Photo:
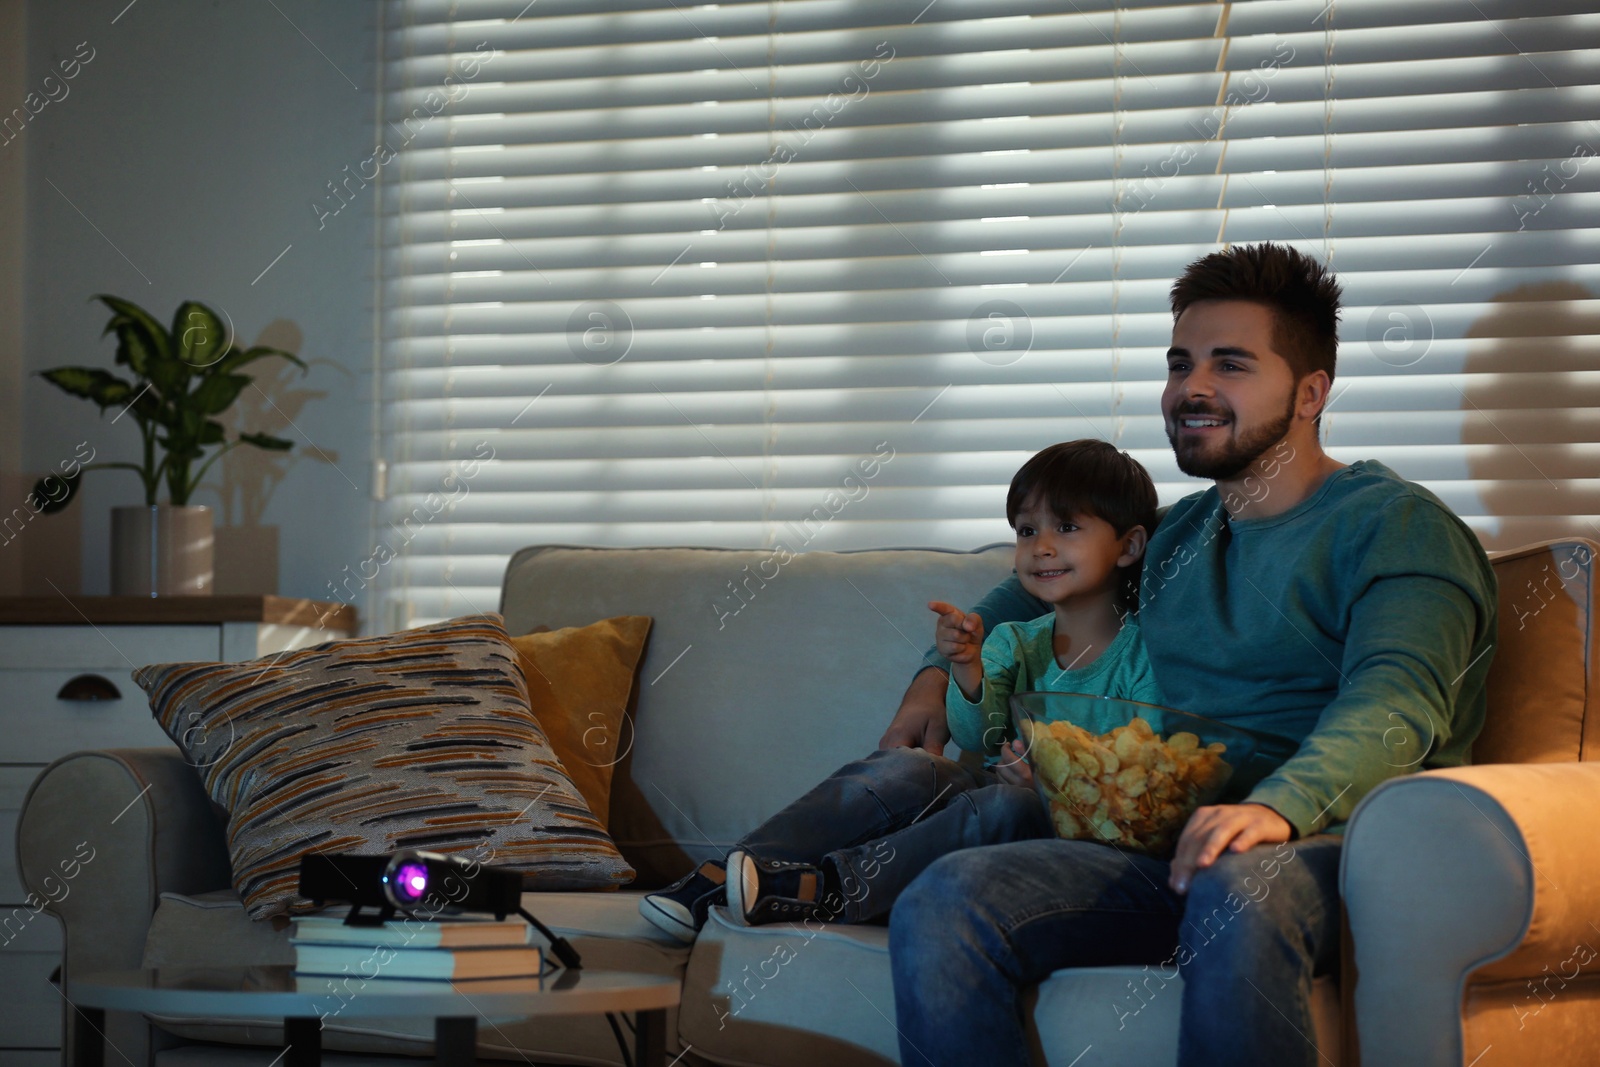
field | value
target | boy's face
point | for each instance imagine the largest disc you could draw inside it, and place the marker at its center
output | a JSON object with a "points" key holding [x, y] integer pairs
{"points": [[1058, 558], [1229, 396]]}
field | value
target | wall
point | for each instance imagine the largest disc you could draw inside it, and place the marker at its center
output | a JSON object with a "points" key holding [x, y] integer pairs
{"points": [[180, 162], [13, 72]]}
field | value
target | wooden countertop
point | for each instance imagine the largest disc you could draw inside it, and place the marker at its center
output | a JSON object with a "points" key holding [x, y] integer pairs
{"points": [[280, 610]]}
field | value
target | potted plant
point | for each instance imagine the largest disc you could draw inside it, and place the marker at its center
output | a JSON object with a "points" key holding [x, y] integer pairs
{"points": [[181, 377]]}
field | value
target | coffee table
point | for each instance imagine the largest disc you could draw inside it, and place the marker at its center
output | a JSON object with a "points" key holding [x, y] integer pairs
{"points": [[303, 1001]]}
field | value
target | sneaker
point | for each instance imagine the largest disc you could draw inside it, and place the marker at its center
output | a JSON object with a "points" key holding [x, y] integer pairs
{"points": [[772, 891], [680, 909]]}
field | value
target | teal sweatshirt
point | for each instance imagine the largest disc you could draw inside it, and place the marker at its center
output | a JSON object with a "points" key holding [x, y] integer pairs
{"points": [[1358, 624], [1019, 657]]}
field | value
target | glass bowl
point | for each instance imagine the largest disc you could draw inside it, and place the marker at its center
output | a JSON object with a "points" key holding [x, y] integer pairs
{"points": [[1129, 774]]}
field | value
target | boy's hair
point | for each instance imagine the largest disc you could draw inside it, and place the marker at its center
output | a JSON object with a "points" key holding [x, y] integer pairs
{"points": [[1089, 477], [1301, 293]]}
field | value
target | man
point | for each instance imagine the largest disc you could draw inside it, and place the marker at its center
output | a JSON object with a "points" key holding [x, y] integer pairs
{"points": [[1336, 605]]}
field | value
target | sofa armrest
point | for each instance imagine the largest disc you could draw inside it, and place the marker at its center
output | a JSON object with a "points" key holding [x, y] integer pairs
{"points": [[101, 836], [1467, 876]]}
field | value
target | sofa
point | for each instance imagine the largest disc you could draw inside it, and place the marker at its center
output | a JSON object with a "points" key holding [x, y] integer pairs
{"points": [[1471, 895]]}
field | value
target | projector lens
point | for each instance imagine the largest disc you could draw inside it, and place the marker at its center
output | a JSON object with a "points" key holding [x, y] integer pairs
{"points": [[409, 883]]}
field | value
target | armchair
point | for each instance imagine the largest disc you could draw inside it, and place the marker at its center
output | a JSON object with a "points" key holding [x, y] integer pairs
{"points": [[1500, 966]]}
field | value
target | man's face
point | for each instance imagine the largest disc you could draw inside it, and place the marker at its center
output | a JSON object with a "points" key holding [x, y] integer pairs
{"points": [[1229, 395]]}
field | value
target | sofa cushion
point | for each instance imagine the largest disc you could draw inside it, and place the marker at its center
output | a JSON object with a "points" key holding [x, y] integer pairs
{"points": [[766, 671], [213, 929], [1542, 707], [580, 679], [796, 994], [419, 739], [790, 993]]}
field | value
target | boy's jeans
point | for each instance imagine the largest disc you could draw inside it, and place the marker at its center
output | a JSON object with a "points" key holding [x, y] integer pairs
{"points": [[1254, 929], [880, 821]]}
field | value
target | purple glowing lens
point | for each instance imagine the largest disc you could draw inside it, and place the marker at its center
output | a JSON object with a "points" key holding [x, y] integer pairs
{"points": [[410, 882]]}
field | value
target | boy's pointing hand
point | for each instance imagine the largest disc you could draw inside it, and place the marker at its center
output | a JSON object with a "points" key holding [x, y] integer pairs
{"points": [[958, 635]]}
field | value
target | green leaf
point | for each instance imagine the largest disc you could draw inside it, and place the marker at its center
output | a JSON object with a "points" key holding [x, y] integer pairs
{"points": [[55, 491], [90, 383], [216, 393], [147, 405], [210, 433], [170, 377], [135, 349], [271, 444], [126, 311], [200, 336], [182, 434], [237, 357]]}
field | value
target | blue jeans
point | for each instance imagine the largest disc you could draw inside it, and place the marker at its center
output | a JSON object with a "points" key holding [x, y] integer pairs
{"points": [[875, 824], [979, 926]]}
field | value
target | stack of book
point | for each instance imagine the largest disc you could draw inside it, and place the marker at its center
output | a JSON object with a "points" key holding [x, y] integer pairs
{"points": [[412, 948]]}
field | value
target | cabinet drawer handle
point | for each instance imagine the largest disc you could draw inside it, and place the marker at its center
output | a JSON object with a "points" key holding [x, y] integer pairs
{"points": [[89, 687]]}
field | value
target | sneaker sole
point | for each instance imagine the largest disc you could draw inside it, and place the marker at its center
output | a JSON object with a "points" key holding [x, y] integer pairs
{"points": [[735, 885], [667, 920]]}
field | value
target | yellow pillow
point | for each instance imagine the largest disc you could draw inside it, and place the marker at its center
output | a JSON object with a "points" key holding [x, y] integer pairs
{"points": [[579, 682]]}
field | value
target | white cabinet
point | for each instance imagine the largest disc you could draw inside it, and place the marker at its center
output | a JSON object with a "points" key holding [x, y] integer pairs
{"points": [[66, 685]]}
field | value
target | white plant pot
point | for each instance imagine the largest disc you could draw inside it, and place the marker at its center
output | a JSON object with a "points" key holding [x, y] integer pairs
{"points": [[161, 550]]}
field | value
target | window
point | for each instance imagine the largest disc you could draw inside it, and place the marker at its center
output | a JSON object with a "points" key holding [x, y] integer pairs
{"points": [[826, 273]]}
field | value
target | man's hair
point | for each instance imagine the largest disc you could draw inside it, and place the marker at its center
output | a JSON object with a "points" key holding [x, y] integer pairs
{"points": [[1301, 293]]}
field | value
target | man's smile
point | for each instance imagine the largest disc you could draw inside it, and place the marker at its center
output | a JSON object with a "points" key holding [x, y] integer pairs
{"points": [[1189, 430], [1199, 422]]}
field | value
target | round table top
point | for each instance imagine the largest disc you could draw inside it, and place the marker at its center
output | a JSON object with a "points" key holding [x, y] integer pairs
{"points": [[276, 992]]}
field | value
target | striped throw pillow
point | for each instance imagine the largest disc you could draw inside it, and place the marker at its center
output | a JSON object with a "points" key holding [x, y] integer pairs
{"points": [[417, 739]]}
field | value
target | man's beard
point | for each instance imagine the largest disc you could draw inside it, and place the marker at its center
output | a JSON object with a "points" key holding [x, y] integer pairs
{"points": [[1235, 455]]}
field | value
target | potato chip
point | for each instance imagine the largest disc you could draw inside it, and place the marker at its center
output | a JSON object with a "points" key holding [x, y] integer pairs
{"points": [[1109, 763], [1052, 765], [1067, 824], [1127, 744]]}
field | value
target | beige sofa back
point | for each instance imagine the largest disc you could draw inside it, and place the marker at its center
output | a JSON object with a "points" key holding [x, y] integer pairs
{"points": [[1542, 706], [762, 674]]}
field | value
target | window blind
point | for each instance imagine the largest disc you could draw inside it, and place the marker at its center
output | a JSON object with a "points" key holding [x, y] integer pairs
{"points": [[824, 273]]}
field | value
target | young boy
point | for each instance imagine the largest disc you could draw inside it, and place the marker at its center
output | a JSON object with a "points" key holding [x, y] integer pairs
{"points": [[1077, 550], [1082, 511]]}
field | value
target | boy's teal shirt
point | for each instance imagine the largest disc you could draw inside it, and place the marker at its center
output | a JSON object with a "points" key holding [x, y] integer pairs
{"points": [[1019, 657], [1359, 624]]}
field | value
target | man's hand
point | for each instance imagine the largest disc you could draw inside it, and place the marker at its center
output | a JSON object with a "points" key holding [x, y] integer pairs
{"points": [[1234, 827], [920, 721], [1013, 767]]}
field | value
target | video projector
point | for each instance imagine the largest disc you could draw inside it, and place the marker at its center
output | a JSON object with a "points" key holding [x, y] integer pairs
{"points": [[427, 882]]}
